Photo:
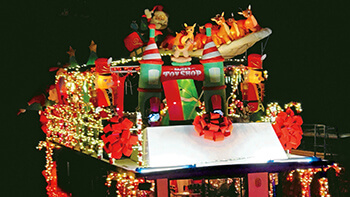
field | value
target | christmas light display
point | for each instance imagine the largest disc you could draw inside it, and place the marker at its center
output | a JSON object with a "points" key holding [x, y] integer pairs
{"points": [[86, 113], [50, 173], [306, 176], [127, 185]]}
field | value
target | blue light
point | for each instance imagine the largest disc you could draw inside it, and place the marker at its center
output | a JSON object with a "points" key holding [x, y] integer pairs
{"points": [[218, 111], [159, 169], [299, 160], [153, 117]]}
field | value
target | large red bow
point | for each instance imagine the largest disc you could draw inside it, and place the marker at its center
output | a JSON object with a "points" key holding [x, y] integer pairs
{"points": [[214, 126], [288, 129], [117, 137]]}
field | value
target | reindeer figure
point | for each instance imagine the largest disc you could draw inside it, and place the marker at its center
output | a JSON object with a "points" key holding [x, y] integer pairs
{"points": [[183, 43], [223, 35], [179, 41], [184, 36], [200, 39], [237, 29], [250, 23]]}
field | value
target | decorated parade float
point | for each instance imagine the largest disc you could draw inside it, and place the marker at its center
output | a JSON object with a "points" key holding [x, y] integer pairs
{"points": [[199, 125]]}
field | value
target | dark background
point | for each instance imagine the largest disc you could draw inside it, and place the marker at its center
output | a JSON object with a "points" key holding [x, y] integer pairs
{"points": [[307, 61]]}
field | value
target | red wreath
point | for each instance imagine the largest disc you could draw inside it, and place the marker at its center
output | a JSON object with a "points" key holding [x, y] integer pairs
{"points": [[213, 126], [288, 129], [117, 137]]}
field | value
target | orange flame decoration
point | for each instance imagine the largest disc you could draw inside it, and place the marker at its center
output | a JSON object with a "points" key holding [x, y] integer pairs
{"points": [[213, 126], [288, 129]]}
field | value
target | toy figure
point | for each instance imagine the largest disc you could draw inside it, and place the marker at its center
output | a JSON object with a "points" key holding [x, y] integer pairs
{"points": [[107, 85], [237, 30], [250, 23], [157, 16], [183, 42], [136, 40], [223, 34], [252, 89], [200, 38]]}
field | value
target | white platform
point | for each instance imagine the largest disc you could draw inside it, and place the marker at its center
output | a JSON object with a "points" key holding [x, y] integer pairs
{"points": [[181, 145]]}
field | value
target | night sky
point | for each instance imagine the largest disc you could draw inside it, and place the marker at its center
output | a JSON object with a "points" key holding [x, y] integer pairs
{"points": [[307, 60]]}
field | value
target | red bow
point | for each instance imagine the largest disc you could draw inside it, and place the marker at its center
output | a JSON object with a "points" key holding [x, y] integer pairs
{"points": [[288, 129], [117, 137], [214, 126]]}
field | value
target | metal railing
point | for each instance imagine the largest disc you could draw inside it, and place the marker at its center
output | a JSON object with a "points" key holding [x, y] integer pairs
{"points": [[320, 134]]}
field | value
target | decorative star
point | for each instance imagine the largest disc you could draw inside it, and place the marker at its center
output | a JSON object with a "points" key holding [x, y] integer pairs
{"points": [[71, 52], [93, 46]]}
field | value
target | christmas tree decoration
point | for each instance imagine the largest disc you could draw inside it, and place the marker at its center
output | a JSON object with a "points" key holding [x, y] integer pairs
{"points": [[72, 60], [93, 54]]}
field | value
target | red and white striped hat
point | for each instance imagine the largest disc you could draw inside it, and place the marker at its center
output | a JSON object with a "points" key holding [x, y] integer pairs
{"points": [[210, 51], [151, 54]]}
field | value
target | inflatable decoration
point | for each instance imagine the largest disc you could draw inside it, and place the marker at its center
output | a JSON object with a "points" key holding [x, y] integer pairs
{"points": [[250, 24], [236, 27], [157, 17], [183, 42], [109, 87], [214, 83], [136, 40], [252, 89], [221, 35], [233, 37], [150, 71]]}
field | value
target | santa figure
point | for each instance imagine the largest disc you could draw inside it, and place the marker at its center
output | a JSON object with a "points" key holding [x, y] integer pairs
{"points": [[252, 89]]}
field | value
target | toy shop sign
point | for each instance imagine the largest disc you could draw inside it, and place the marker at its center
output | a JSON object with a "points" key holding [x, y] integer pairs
{"points": [[195, 72]]}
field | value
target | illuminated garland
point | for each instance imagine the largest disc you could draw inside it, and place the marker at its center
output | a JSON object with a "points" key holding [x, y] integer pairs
{"points": [[296, 105], [49, 161], [125, 60], [75, 124], [272, 111], [273, 181], [127, 185], [140, 139], [50, 171], [306, 176], [235, 77]]}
